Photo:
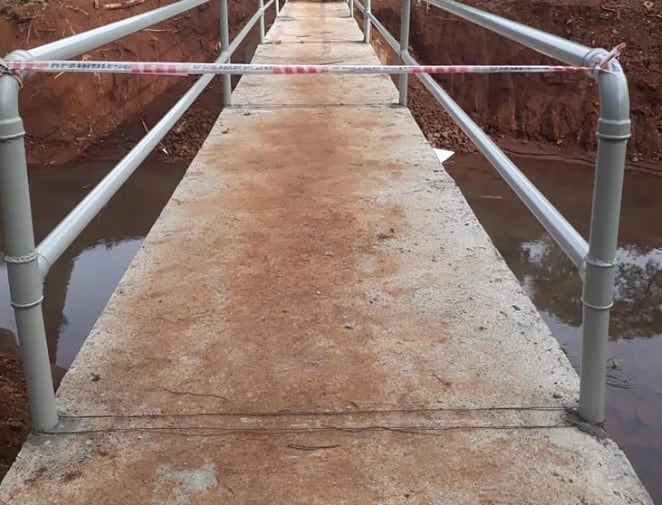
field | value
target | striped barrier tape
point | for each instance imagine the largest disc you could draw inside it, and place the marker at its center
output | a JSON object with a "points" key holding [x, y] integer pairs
{"points": [[183, 69]]}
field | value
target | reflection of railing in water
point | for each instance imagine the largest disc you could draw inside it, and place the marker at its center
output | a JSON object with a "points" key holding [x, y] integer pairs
{"points": [[596, 260], [637, 311]]}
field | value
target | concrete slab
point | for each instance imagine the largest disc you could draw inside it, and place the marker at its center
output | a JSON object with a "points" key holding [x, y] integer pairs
{"points": [[328, 25], [318, 317], [304, 90]]}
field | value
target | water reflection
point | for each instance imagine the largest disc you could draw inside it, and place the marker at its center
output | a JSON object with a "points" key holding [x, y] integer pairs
{"points": [[81, 282], [634, 398], [91, 286], [551, 281]]}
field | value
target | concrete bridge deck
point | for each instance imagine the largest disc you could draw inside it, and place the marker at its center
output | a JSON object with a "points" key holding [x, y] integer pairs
{"points": [[318, 317]]}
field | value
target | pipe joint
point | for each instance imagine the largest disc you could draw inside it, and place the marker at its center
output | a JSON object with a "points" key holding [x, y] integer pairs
{"points": [[21, 260], [598, 293], [29, 305], [11, 129], [613, 129], [595, 263]]}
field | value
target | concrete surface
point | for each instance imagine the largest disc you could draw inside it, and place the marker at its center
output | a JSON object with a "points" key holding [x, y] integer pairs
{"points": [[318, 317]]}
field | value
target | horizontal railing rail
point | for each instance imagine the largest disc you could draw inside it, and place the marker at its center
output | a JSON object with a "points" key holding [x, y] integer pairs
{"points": [[595, 260], [62, 236], [27, 265]]}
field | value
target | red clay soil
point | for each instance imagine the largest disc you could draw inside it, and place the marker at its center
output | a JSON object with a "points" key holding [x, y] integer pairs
{"points": [[539, 114], [67, 114], [14, 418], [101, 115]]}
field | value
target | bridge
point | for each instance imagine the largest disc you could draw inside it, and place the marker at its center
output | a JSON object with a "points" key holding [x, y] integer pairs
{"points": [[317, 316]]}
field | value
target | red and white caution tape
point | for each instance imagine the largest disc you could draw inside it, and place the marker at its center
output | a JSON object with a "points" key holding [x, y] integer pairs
{"points": [[602, 63], [182, 69], [160, 68]]}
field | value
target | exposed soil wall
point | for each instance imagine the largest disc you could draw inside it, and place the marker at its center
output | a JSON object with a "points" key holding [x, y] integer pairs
{"points": [[559, 110], [67, 114]]}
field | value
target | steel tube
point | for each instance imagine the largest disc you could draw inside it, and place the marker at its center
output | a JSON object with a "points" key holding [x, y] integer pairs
{"points": [[261, 11], [225, 46], [69, 47], [545, 43], [58, 240], [390, 39], [366, 21], [351, 8], [234, 45], [572, 243], [404, 48], [25, 284], [600, 269]]}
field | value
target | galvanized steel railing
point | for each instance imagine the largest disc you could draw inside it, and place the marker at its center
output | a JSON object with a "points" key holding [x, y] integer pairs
{"points": [[596, 260], [27, 265]]}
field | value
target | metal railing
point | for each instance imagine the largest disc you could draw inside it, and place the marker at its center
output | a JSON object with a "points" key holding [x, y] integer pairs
{"points": [[27, 265], [596, 260]]}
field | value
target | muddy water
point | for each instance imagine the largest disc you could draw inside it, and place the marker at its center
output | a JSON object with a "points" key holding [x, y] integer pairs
{"points": [[81, 282], [634, 401]]}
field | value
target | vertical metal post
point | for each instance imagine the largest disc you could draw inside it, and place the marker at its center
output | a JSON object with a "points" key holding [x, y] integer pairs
{"points": [[367, 25], [225, 46], [277, 2], [600, 266], [261, 6], [22, 263], [404, 48], [351, 8]]}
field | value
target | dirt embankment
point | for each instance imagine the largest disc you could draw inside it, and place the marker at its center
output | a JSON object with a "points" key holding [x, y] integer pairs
{"points": [[539, 113], [102, 115], [66, 115]]}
